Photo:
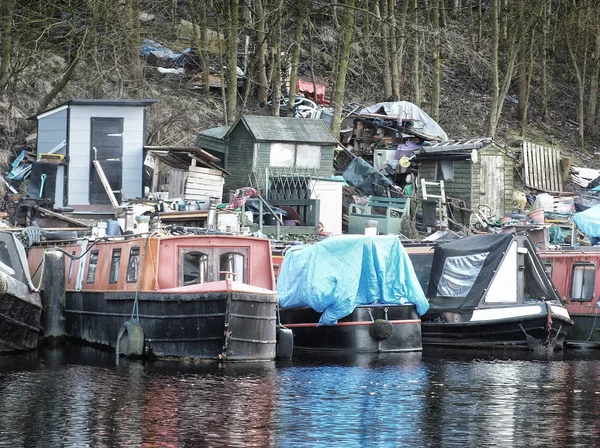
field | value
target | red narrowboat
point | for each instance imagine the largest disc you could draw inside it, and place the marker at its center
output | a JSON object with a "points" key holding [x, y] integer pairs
{"points": [[196, 296], [574, 271]]}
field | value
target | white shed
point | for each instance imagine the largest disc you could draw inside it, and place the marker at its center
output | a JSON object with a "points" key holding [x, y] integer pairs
{"points": [[83, 130]]}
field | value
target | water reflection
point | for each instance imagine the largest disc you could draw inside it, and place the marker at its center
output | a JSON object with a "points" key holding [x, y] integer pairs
{"points": [[78, 397]]}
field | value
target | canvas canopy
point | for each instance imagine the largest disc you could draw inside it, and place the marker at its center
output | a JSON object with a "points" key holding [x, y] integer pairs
{"points": [[465, 271], [338, 274]]}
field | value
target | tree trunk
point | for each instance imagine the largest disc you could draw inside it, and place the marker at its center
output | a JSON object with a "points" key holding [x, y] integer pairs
{"points": [[435, 91], [522, 64], [261, 53], [544, 45], [302, 13], [134, 63], [392, 36], [594, 82], [7, 8], [277, 60], [381, 12], [340, 85], [495, 69], [579, 76], [415, 66], [231, 72], [402, 42]]}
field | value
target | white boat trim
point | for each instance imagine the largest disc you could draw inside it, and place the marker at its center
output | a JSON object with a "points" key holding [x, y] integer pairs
{"points": [[560, 310], [506, 312]]}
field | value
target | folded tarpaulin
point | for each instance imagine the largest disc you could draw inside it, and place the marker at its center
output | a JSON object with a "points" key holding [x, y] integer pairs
{"points": [[589, 221], [338, 274], [308, 90]]}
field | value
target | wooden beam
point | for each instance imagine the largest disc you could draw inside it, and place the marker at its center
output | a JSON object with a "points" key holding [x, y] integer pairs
{"points": [[62, 217], [106, 185]]}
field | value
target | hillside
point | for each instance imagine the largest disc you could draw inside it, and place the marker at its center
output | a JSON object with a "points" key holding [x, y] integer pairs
{"points": [[184, 108]]}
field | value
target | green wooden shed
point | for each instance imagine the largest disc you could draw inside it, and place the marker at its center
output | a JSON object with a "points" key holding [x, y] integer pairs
{"points": [[479, 173], [261, 150]]}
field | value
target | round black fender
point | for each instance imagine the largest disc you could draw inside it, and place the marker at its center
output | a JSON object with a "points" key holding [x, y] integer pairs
{"points": [[381, 330]]}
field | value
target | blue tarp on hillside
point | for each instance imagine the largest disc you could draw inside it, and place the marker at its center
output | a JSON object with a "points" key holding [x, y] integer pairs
{"points": [[340, 273], [589, 221]]}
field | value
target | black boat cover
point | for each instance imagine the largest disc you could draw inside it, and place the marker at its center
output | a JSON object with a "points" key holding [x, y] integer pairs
{"points": [[462, 271]]}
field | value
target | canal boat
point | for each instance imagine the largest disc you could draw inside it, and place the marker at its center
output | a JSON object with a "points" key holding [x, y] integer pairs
{"points": [[197, 296], [489, 291], [20, 303], [351, 293], [574, 273]]}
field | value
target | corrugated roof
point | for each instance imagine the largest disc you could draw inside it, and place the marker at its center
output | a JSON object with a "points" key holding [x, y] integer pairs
{"points": [[288, 129], [94, 102], [219, 132]]}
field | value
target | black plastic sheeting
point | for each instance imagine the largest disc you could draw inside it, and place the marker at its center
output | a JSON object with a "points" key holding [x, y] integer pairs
{"points": [[482, 252], [367, 179]]}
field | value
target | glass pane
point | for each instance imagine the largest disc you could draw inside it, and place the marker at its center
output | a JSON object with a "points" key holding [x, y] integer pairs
{"points": [[115, 265], [232, 266], [282, 154], [582, 282], [308, 156], [133, 265], [444, 170], [91, 277], [195, 268], [459, 274]]}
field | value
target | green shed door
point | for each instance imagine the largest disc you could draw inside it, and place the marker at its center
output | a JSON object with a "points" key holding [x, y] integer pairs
{"points": [[492, 183]]}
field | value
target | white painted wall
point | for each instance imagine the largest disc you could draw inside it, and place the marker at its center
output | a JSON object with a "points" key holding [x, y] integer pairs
{"points": [[79, 149], [329, 192]]}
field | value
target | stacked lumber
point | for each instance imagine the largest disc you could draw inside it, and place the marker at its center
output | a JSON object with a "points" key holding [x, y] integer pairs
{"points": [[203, 183]]}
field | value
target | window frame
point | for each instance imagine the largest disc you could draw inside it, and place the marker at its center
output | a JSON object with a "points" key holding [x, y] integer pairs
{"points": [[439, 172], [296, 146], [582, 264], [242, 253], [129, 261], [93, 253], [114, 274], [183, 252]]}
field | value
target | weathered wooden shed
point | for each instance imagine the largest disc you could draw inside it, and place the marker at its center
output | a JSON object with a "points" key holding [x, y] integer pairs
{"points": [[83, 130], [213, 141], [477, 172], [260, 148]]}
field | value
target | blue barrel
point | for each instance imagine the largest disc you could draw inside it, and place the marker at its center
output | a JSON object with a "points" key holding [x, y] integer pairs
{"points": [[113, 228]]}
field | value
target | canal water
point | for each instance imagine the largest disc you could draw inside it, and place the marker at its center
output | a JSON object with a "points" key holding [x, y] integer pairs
{"points": [[78, 397]]}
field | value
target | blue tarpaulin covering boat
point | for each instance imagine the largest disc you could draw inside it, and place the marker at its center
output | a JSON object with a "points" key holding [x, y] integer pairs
{"points": [[340, 273]]}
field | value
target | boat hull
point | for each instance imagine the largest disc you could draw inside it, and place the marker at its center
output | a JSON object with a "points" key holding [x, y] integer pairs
{"points": [[354, 333], [228, 325], [19, 323], [528, 331], [586, 330]]}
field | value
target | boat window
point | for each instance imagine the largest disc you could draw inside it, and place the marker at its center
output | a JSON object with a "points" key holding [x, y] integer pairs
{"points": [[582, 282], [133, 265], [195, 268], [115, 265], [71, 268], [93, 263], [459, 274], [232, 266], [5, 254]]}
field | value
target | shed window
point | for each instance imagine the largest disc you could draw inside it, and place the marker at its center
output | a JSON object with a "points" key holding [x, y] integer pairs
{"points": [[292, 155], [93, 263], [232, 266], [582, 282], [444, 170], [115, 265], [133, 265], [195, 268]]}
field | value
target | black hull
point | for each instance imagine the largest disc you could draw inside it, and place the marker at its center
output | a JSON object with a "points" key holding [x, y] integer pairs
{"points": [[526, 333], [352, 333], [19, 323], [586, 331], [233, 326]]}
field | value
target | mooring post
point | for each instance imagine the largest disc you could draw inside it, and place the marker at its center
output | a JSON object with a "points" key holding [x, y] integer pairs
{"points": [[53, 296]]}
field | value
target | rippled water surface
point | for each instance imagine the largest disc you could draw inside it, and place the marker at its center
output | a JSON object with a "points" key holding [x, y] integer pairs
{"points": [[79, 397]]}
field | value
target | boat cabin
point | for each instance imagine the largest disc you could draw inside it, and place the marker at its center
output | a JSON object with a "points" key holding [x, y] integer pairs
{"points": [[480, 272], [163, 263], [574, 273]]}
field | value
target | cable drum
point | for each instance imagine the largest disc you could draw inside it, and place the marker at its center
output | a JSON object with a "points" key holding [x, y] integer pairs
{"points": [[381, 329]]}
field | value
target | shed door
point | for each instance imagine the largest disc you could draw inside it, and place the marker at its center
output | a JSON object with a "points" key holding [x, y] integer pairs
{"points": [[492, 183], [106, 147]]}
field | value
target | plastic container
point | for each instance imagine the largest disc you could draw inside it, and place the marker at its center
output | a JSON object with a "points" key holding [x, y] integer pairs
{"points": [[143, 224], [371, 228], [113, 228], [537, 216], [101, 229]]}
